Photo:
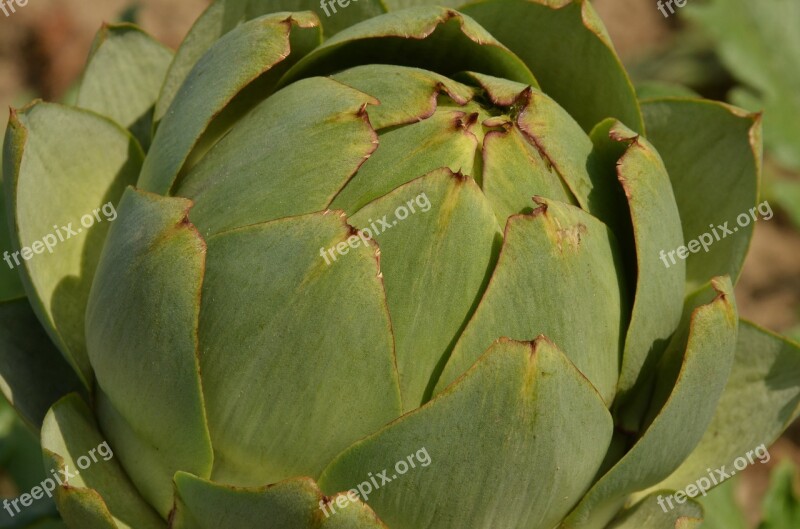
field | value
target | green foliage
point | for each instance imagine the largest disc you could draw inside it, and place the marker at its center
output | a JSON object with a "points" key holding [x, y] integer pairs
{"points": [[759, 44]]}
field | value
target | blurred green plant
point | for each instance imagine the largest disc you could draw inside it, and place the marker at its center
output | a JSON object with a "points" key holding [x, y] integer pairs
{"points": [[747, 53], [780, 508], [759, 44], [720, 508], [684, 65]]}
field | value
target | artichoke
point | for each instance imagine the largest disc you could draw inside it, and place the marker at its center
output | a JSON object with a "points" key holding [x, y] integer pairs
{"points": [[330, 266]]}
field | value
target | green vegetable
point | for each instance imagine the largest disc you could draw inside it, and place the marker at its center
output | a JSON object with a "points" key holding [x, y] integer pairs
{"points": [[382, 270]]}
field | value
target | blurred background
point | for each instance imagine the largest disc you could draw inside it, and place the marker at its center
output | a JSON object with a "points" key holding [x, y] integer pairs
{"points": [[738, 51]]}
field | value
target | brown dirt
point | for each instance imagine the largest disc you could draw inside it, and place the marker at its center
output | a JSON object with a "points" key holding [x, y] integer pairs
{"points": [[768, 292]]}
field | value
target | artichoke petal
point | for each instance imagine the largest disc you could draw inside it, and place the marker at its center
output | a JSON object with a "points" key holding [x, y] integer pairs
{"points": [[245, 62], [33, 374], [123, 76], [311, 332], [91, 488], [144, 351], [446, 139], [255, 175], [514, 171], [62, 165], [435, 265], [550, 258], [569, 151], [697, 362], [523, 419], [406, 95], [501, 92], [708, 146], [295, 503]]}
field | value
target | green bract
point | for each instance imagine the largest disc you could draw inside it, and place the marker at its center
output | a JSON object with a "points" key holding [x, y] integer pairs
{"points": [[344, 242]]}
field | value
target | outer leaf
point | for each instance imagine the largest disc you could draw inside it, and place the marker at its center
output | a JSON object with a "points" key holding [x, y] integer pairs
{"points": [[254, 174], [571, 55], [661, 89], [335, 18], [61, 166], [33, 374], [38, 516], [149, 338], [708, 146], [683, 419], [96, 495], [432, 38], [648, 514], [303, 392], [10, 281], [541, 423], [21, 468], [435, 265], [237, 60], [550, 258], [224, 15], [656, 225], [291, 504], [759, 43], [21, 462], [123, 76], [761, 399]]}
